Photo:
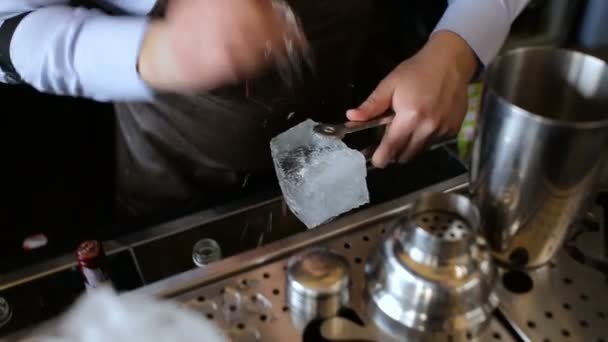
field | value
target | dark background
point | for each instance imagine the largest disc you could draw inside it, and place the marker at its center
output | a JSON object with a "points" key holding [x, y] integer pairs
{"points": [[56, 170]]}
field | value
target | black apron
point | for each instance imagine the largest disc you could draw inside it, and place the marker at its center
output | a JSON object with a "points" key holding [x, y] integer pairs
{"points": [[182, 150], [178, 150]]}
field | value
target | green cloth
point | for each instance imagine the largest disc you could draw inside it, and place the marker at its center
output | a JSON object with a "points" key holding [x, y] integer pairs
{"points": [[467, 130]]}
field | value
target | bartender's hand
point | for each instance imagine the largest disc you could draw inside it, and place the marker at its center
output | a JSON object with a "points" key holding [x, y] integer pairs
{"points": [[201, 44], [428, 93]]}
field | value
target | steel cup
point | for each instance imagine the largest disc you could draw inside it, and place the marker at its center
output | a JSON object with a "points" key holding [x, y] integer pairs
{"points": [[539, 149]]}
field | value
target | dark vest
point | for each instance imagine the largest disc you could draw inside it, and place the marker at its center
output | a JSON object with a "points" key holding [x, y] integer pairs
{"points": [[179, 148]]}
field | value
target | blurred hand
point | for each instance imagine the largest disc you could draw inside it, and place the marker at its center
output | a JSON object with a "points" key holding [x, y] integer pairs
{"points": [[201, 44], [428, 93]]}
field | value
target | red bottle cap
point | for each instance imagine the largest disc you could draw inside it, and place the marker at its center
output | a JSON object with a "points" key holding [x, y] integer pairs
{"points": [[90, 253]]}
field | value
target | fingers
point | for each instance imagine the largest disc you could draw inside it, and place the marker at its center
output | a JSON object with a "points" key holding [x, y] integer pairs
{"points": [[281, 40], [211, 43], [420, 137], [429, 128], [260, 39], [377, 103], [416, 124], [397, 135]]}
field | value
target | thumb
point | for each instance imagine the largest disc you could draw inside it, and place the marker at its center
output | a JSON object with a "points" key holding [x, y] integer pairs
{"points": [[377, 103]]}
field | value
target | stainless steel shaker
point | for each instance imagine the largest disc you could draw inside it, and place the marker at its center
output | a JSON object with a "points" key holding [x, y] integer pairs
{"points": [[539, 149], [433, 278]]}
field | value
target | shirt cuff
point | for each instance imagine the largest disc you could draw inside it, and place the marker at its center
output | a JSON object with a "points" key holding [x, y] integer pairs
{"points": [[107, 57], [484, 25], [80, 52]]}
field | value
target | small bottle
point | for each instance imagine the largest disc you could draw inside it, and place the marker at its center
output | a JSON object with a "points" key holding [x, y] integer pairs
{"points": [[206, 251], [92, 264]]}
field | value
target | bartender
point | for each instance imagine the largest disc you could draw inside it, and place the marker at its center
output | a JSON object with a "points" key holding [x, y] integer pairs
{"points": [[197, 99]]}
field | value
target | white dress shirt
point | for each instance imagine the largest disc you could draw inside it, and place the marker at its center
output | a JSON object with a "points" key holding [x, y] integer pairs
{"points": [[76, 51]]}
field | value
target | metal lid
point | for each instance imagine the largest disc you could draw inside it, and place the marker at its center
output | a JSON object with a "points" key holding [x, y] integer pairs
{"points": [[440, 227], [318, 271]]}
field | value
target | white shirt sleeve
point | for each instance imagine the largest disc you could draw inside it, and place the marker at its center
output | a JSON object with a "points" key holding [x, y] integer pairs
{"points": [[76, 51], [483, 24]]}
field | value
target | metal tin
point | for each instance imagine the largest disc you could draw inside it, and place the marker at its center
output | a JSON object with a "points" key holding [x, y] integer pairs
{"points": [[317, 283], [433, 275], [540, 145]]}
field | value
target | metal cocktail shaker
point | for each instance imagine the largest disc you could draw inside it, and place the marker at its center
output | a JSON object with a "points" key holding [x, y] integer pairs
{"points": [[539, 149]]}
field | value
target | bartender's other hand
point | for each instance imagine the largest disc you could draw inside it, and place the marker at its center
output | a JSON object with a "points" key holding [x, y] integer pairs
{"points": [[428, 93], [202, 44]]}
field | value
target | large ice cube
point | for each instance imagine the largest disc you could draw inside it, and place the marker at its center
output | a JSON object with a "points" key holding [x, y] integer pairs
{"points": [[320, 177]]}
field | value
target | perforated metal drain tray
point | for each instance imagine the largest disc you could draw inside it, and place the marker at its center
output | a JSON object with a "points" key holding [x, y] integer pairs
{"points": [[568, 301], [245, 294]]}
